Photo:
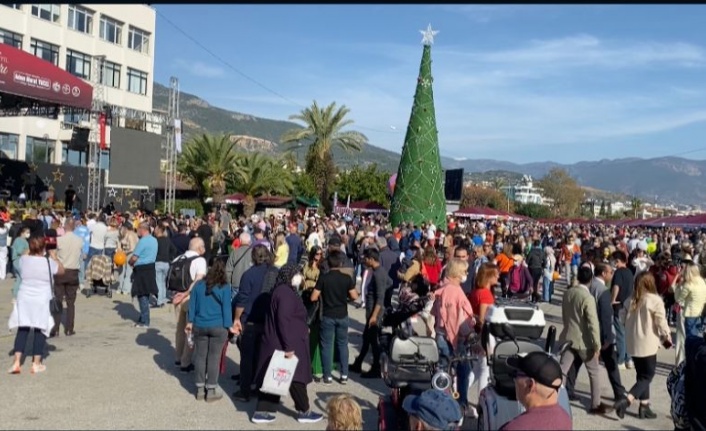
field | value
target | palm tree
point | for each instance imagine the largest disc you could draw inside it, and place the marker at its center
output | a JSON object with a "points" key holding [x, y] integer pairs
{"points": [[636, 205], [257, 174], [208, 162], [324, 130]]}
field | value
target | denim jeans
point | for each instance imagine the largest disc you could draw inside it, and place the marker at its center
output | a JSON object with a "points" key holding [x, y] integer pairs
{"points": [[161, 271], [463, 369], [330, 329], [693, 327], [144, 302], [82, 271], [93, 252], [620, 343], [18, 278], [547, 288], [208, 346], [125, 283]]}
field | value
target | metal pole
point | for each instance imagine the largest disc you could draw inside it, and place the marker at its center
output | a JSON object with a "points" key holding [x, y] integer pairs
{"points": [[171, 156], [93, 189]]}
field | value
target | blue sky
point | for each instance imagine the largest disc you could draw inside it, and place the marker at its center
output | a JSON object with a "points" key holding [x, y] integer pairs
{"points": [[521, 83]]}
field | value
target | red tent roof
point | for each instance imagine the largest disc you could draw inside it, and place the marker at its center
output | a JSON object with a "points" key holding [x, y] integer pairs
{"points": [[25, 75]]}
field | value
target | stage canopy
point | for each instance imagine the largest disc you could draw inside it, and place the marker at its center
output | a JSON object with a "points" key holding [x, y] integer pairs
{"points": [[25, 79]]}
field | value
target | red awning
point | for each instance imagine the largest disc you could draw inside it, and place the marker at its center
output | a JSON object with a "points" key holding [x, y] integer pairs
{"points": [[23, 74]]}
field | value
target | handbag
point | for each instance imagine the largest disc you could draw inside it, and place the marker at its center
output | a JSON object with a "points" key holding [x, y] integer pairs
{"points": [[56, 307]]}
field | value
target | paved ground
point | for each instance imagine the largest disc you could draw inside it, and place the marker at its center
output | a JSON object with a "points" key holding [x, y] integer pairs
{"points": [[113, 376]]}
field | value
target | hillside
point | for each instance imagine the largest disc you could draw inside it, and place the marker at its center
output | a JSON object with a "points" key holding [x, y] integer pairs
{"points": [[198, 116], [665, 179]]}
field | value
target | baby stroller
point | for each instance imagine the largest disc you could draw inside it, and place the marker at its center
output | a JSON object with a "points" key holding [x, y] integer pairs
{"points": [[99, 273], [511, 327], [408, 363]]}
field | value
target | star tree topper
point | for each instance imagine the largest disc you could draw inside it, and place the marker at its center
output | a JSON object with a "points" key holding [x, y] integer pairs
{"points": [[428, 35]]}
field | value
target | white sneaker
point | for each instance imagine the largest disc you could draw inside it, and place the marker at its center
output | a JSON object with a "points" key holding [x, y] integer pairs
{"points": [[630, 365], [622, 367]]}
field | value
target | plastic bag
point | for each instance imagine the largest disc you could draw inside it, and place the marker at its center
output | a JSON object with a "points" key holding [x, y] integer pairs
{"points": [[279, 374]]}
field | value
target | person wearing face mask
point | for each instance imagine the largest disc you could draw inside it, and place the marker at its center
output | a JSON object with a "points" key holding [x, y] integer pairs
{"points": [[20, 247], [285, 329]]}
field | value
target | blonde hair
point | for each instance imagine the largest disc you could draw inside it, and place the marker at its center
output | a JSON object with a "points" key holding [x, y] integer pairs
{"points": [[644, 283], [692, 274], [344, 414], [457, 268]]}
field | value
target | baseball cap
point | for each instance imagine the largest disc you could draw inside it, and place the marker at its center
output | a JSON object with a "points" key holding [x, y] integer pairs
{"points": [[436, 408], [539, 366]]}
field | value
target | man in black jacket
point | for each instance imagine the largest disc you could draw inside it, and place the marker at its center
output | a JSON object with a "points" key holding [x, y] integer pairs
{"points": [[374, 308]]}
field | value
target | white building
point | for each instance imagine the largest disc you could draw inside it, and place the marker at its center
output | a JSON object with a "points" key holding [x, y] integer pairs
{"points": [[70, 36], [525, 192]]}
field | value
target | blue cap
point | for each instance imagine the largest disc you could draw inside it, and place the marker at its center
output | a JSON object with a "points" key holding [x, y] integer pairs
{"points": [[436, 408]]}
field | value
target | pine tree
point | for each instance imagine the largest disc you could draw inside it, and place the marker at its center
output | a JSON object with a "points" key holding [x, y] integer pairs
{"points": [[419, 195]]}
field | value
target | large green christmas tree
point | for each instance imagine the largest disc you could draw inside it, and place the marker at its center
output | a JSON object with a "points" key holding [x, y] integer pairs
{"points": [[419, 194]]}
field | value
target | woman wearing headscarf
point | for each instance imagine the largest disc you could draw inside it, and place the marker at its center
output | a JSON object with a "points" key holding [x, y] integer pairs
{"points": [[286, 330]]}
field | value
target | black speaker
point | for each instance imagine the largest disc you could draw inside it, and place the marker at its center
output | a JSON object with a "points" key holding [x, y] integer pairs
{"points": [[453, 187], [79, 139]]}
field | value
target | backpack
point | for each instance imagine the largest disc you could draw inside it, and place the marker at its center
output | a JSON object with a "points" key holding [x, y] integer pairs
{"points": [[179, 277], [535, 258]]}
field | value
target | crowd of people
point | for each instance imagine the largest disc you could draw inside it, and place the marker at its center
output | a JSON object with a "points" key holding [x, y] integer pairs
{"points": [[285, 283]]}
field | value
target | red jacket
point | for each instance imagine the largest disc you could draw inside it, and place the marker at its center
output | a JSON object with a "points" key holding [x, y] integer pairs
{"points": [[664, 277]]}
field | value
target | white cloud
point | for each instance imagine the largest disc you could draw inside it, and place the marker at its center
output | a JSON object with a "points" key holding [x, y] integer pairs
{"points": [[200, 69]]}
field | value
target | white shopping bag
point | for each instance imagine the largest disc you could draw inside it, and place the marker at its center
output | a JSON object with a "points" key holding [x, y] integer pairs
{"points": [[280, 374]]}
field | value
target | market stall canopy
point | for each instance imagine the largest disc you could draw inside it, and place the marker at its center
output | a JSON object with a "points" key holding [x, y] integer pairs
{"points": [[25, 75], [478, 213], [360, 206]]}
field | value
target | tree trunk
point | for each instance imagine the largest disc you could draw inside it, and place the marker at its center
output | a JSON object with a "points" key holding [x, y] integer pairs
{"points": [[218, 189], [249, 206]]}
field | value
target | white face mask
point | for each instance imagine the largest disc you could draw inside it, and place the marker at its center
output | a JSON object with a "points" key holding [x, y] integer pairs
{"points": [[26, 235], [464, 279], [297, 281]]}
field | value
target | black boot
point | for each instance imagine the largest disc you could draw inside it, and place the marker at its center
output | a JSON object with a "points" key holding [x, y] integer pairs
{"points": [[620, 406], [356, 367], [646, 412]]}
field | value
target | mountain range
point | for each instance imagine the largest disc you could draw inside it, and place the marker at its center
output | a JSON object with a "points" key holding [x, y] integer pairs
{"points": [[667, 180]]}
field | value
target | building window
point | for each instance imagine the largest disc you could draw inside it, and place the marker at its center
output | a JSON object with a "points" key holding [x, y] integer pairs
{"points": [[8, 145], [110, 30], [44, 50], [73, 157], [11, 38], [138, 40], [39, 150], [78, 64], [110, 75], [49, 12], [17, 6], [80, 19], [136, 81]]}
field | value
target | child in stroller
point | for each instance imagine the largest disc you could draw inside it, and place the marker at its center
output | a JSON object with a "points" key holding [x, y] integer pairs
{"points": [[413, 299]]}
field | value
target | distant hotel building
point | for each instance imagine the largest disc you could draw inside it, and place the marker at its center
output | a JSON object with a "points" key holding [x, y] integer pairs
{"points": [[525, 192], [69, 36]]}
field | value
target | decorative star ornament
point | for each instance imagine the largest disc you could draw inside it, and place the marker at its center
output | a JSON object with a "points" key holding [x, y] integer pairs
{"points": [[147, 196], [134, 204], [428, 35], [10, 183], [112, 192], [71, 178], [58, 175], [33, 167], [80, 189], [127, 192], [47, 180]]}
